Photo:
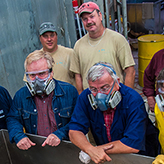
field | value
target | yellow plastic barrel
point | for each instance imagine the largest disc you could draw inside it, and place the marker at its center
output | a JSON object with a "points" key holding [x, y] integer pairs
{"points": [[148, 45]]}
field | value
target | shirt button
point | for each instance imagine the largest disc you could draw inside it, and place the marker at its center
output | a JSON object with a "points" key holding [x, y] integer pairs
{"points": [[43, 101], [35, 110], [59, 124], [34, 126]]}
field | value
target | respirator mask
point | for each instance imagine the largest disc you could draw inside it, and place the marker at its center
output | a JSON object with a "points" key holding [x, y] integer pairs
{"points": [[104, 101], [39, 85]]}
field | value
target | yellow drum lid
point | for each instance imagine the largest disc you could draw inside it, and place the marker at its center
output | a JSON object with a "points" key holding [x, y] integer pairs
{"points": [[151, 38]]}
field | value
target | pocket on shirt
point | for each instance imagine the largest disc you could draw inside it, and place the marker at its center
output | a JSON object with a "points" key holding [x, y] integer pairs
{"points": [[96, 127], [66, 112], [29, 120], [118, 134], [65, 115], [25, 115]]}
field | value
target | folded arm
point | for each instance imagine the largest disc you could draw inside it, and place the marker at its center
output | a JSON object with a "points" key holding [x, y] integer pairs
{"points": [[119, 148], [97, 154]]}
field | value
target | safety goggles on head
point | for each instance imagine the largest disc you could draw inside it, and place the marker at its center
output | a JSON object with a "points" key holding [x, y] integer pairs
{"points": [[42, 75]]}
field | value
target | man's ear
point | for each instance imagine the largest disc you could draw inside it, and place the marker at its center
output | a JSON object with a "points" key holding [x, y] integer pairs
{"points": [[40, 38], [52, 74], [118, 80], [117, 84], [100, 15]]}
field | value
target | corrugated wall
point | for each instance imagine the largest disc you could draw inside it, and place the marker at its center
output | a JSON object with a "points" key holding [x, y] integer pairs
{"points": [[19, 22]]}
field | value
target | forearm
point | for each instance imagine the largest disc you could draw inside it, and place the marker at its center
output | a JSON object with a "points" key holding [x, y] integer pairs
{"points": [[129, 77], [97, 154], [119, 148], [62, 133], [15, 129], [149, 85], [80, 140], [151, 102], [79, 83]]}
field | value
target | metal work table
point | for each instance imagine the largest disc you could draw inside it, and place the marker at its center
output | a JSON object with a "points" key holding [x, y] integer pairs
{"points": [[65, 153]]}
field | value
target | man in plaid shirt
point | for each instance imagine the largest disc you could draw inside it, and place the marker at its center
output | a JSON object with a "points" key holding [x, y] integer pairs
{"points": [[43, 107], [116, 116]]}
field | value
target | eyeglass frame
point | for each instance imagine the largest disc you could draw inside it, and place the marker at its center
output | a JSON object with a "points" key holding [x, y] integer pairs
{"points": [[36, 74], [101, 87]]}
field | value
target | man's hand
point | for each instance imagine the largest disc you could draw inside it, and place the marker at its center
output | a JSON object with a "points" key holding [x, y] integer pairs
{"points": [[98, 155], [151, 102], [25, 143], [51, 140]]}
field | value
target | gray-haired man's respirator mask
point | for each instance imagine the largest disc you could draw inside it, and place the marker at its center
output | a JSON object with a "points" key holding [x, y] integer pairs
{"points": [[104, 101], [40, 86]]}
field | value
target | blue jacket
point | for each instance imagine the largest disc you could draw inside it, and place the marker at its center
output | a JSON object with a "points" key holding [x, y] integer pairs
{"points": [[5, 104], [23, 112], [129, 125]]}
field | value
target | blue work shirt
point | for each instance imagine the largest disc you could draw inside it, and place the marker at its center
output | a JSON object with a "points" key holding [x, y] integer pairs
{"points": [[129, 125], [5, 104], [23, 111]]}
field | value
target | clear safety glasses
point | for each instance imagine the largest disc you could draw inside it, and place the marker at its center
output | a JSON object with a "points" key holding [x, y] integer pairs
{"points": [[42, 75]]}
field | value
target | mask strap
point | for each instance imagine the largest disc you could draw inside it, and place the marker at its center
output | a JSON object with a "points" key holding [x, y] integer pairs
{"points": [[92, 101], [30, 88], [110, 92], [107, 67]]}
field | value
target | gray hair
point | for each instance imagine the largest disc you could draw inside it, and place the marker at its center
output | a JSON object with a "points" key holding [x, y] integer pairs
{"points": [[37, 55], [99, 69]]}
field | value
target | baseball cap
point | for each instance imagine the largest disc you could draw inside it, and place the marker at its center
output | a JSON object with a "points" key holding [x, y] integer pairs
{"points": [[88, 7], [46, 26]]}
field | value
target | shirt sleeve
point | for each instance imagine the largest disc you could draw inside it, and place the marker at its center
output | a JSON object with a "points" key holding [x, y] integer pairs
{"points": [[124, 53], [136, 122], [80, 119], [75, 63], [150, 77]]}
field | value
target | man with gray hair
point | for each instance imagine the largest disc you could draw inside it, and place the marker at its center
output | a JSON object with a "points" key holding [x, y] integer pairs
{"points": [[116, 116], [43, 107]]}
